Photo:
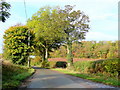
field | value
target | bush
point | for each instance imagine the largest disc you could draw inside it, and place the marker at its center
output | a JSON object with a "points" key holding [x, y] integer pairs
{"points": [[108, 67], [52, 64], [82, 66], [44, 64]]}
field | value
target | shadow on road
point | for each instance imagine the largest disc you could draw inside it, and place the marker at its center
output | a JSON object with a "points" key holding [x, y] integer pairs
{"points": [[35, 67]]}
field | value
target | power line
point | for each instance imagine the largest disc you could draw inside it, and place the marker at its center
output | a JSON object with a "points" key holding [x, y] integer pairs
{"points": [[25, 9], [28, 32]]}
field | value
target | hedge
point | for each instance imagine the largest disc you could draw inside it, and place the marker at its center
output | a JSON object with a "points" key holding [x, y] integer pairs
{"points": [[109, 67]]}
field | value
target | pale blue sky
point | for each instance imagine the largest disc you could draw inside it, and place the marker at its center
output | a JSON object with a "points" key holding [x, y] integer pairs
{"points": [[103, 15]]}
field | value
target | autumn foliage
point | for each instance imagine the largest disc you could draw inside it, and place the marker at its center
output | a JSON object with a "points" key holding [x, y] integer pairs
{"points": [[90, 49]]}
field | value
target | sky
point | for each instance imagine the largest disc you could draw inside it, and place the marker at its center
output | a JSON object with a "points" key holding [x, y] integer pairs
{"points": [[103, 16]]}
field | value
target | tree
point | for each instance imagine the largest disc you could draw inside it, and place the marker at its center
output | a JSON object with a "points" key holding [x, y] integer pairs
{"points": [[4, 7], [48, 29], [75, 28], [16, 44]]}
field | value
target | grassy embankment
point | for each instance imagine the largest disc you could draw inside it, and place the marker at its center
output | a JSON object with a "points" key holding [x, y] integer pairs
{"points": [[104, 71], [13, 75]]}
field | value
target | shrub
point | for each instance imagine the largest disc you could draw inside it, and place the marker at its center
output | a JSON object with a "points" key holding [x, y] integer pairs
{"points": [[108, 67], [96, 66], [82, 66], [44, 64], [111, 66], [52, 64]]}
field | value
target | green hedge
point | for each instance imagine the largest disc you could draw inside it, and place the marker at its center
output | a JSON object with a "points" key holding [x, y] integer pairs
{"points": [[109, 67]]}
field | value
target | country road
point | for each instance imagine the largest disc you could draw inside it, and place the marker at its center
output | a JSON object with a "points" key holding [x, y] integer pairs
{"points": [[46, 78]]}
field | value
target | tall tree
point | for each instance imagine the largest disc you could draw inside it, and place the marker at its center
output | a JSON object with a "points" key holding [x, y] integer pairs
{"points": [[75, 28], [16, 44], [48, 29], [4, 8]]}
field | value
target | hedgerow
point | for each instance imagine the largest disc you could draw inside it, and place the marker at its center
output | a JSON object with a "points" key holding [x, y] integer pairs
{"points": [[108, 67]]}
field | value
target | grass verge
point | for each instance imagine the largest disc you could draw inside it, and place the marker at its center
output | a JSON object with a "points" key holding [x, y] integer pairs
{"points": [[94, 77], [13, 75]]}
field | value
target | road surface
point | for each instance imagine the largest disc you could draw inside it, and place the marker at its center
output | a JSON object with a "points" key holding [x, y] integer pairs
{"points": [[46, 78]]}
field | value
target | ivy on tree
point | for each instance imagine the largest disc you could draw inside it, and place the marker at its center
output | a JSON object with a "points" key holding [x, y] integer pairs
{"points": [[16, 44]]}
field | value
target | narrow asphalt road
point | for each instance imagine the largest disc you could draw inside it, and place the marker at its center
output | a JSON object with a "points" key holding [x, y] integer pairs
{"points": [[46, 78]]}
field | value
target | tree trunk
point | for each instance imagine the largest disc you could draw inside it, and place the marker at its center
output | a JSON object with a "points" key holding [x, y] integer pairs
{"points": [[43, 55], [28, 61], [46, 54], [69, 54]]}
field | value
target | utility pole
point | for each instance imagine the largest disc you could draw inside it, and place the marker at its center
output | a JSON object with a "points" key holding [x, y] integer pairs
{"points": [[28, 34]]}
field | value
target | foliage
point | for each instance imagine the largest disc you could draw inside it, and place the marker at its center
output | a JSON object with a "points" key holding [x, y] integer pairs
{"points": [[36, 61], [82, 66], [52, 64], [54, 26], [44, 64], [108, 67], [47, 27], [75, 27], [13, 74], [16, 44], [90, 49], [4, 7], [61, 52]]}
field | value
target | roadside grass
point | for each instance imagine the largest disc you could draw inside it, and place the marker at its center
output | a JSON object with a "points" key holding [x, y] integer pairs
{"points": [[93, 77], [13, 75]]}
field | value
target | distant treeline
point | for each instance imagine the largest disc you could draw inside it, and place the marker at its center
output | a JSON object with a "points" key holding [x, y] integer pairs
{"points": [[90, 49]]}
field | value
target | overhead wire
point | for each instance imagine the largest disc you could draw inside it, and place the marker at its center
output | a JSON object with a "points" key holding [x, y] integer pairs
{"points": [[28, 32], [25, 9]]}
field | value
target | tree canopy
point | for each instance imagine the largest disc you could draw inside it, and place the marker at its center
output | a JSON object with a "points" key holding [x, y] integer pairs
{"points": [[76, 27], [51, 27], [4, 10], [16, 44], [48, 28]]}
